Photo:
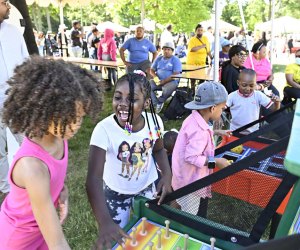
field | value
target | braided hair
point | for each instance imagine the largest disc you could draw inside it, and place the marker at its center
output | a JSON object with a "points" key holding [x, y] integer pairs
{"points": [[140, 79]]}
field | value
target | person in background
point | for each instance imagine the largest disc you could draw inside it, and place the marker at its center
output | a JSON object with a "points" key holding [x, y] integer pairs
{"points": [[162, 70], [89, 37], [261, 66], [59, 41], [198, 50], [107, 51], [223, 55], [166, 35], [139, 48], [40, 42], [231, 68], [13, 52], [51, 45], [210, 35], [290, 45], [76, 39], [180, 50], [292, 75]]}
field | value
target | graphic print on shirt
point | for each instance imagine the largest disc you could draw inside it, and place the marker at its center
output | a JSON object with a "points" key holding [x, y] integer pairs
{"points": [[147, 145], [123, 156], [135, 160], [104, 47]]}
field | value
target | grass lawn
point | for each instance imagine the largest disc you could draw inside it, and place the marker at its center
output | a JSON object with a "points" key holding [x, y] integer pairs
{"points": [[80, 228]]}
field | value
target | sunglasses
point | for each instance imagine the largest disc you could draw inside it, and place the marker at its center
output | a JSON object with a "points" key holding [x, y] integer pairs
{"points": [[242, 55], [6, 3]]}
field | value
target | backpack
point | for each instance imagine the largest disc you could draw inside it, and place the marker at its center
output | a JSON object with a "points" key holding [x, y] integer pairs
{"points": [[175, 109]]}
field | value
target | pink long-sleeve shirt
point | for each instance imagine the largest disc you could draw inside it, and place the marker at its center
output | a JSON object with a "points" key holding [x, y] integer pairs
{"points": [[107, 46], [262, 67], [193, 145]]}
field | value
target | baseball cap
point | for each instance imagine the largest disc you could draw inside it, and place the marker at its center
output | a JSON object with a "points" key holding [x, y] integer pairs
{"points": [[208, 94], [168, 45], [225, 42]]}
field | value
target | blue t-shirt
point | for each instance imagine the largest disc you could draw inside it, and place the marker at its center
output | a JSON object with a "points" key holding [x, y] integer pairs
{"points": [[138, 49], [164, 67]]}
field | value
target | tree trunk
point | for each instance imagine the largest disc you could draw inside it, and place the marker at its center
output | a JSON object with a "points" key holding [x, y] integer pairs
{"points": [[48, 19], [28, 34]]}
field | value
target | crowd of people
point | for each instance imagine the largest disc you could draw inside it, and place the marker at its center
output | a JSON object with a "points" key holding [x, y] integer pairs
{"points": [[45, 101]]}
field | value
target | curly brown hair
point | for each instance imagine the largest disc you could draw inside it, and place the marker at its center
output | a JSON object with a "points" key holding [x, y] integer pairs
{"points": [[43, 90]]}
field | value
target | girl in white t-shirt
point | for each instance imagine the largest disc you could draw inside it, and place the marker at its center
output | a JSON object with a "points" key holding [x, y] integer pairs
{"points": [[110, 193]]}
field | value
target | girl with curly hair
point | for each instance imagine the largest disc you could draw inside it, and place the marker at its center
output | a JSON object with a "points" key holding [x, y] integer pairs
{"points": [[111, 195], [46, 101]]}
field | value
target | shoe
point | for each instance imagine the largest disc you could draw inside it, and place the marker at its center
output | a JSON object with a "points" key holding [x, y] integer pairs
{"points": [[159, 107]]}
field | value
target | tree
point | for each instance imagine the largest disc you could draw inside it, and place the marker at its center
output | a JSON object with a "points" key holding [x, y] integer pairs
{"points": [[184, 15], [28, 34], [231, 13]]}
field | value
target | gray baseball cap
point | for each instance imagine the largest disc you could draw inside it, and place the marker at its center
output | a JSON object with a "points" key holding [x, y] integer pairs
{"points": [[208, 94], [168, 45]]}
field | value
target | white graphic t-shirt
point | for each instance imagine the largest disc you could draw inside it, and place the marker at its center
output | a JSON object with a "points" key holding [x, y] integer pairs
{"points": [[129, 166]]}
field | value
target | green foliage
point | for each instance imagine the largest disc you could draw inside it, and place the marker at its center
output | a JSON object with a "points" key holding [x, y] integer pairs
{"points": [[88, 14], [166, 12], [128, 13], [184, 15], [257, 11], [288, 7], [231, 13]]}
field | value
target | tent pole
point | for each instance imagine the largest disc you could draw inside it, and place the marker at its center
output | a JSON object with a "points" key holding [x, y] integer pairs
{"points": [[245, 30], [142, 12], [217, 41], [62, 28], [272, 32]]}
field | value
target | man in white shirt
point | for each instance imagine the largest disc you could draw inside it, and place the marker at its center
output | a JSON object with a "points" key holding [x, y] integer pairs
{"points": [[13, 51], [166, 36]]}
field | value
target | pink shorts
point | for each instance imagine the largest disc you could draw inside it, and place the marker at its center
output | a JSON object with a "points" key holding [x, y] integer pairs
{"points": [[12, 238]]}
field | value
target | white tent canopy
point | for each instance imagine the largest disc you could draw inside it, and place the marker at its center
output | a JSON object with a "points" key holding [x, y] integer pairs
{"points": [[110, 25], [223, 26], [283, 24]]}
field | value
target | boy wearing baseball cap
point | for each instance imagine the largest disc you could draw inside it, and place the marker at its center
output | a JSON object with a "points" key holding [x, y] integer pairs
{"points": [[193, 154]]}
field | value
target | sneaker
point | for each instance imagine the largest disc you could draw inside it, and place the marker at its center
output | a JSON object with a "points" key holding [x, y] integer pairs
{"points": [[159, 107]]}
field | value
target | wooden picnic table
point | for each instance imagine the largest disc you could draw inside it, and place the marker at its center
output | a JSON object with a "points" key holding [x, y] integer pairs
{"points": [[89, 61], [188, 67], [199, 74]]}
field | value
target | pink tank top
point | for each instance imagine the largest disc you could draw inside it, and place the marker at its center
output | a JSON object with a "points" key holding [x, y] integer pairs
{"points": [[16, 207]]}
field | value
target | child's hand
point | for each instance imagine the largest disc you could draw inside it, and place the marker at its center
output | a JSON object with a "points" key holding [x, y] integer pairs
{"points": [[221, 132], [63, 204], [275, 98], [109, 233], [222, 163], [163, 188]]}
